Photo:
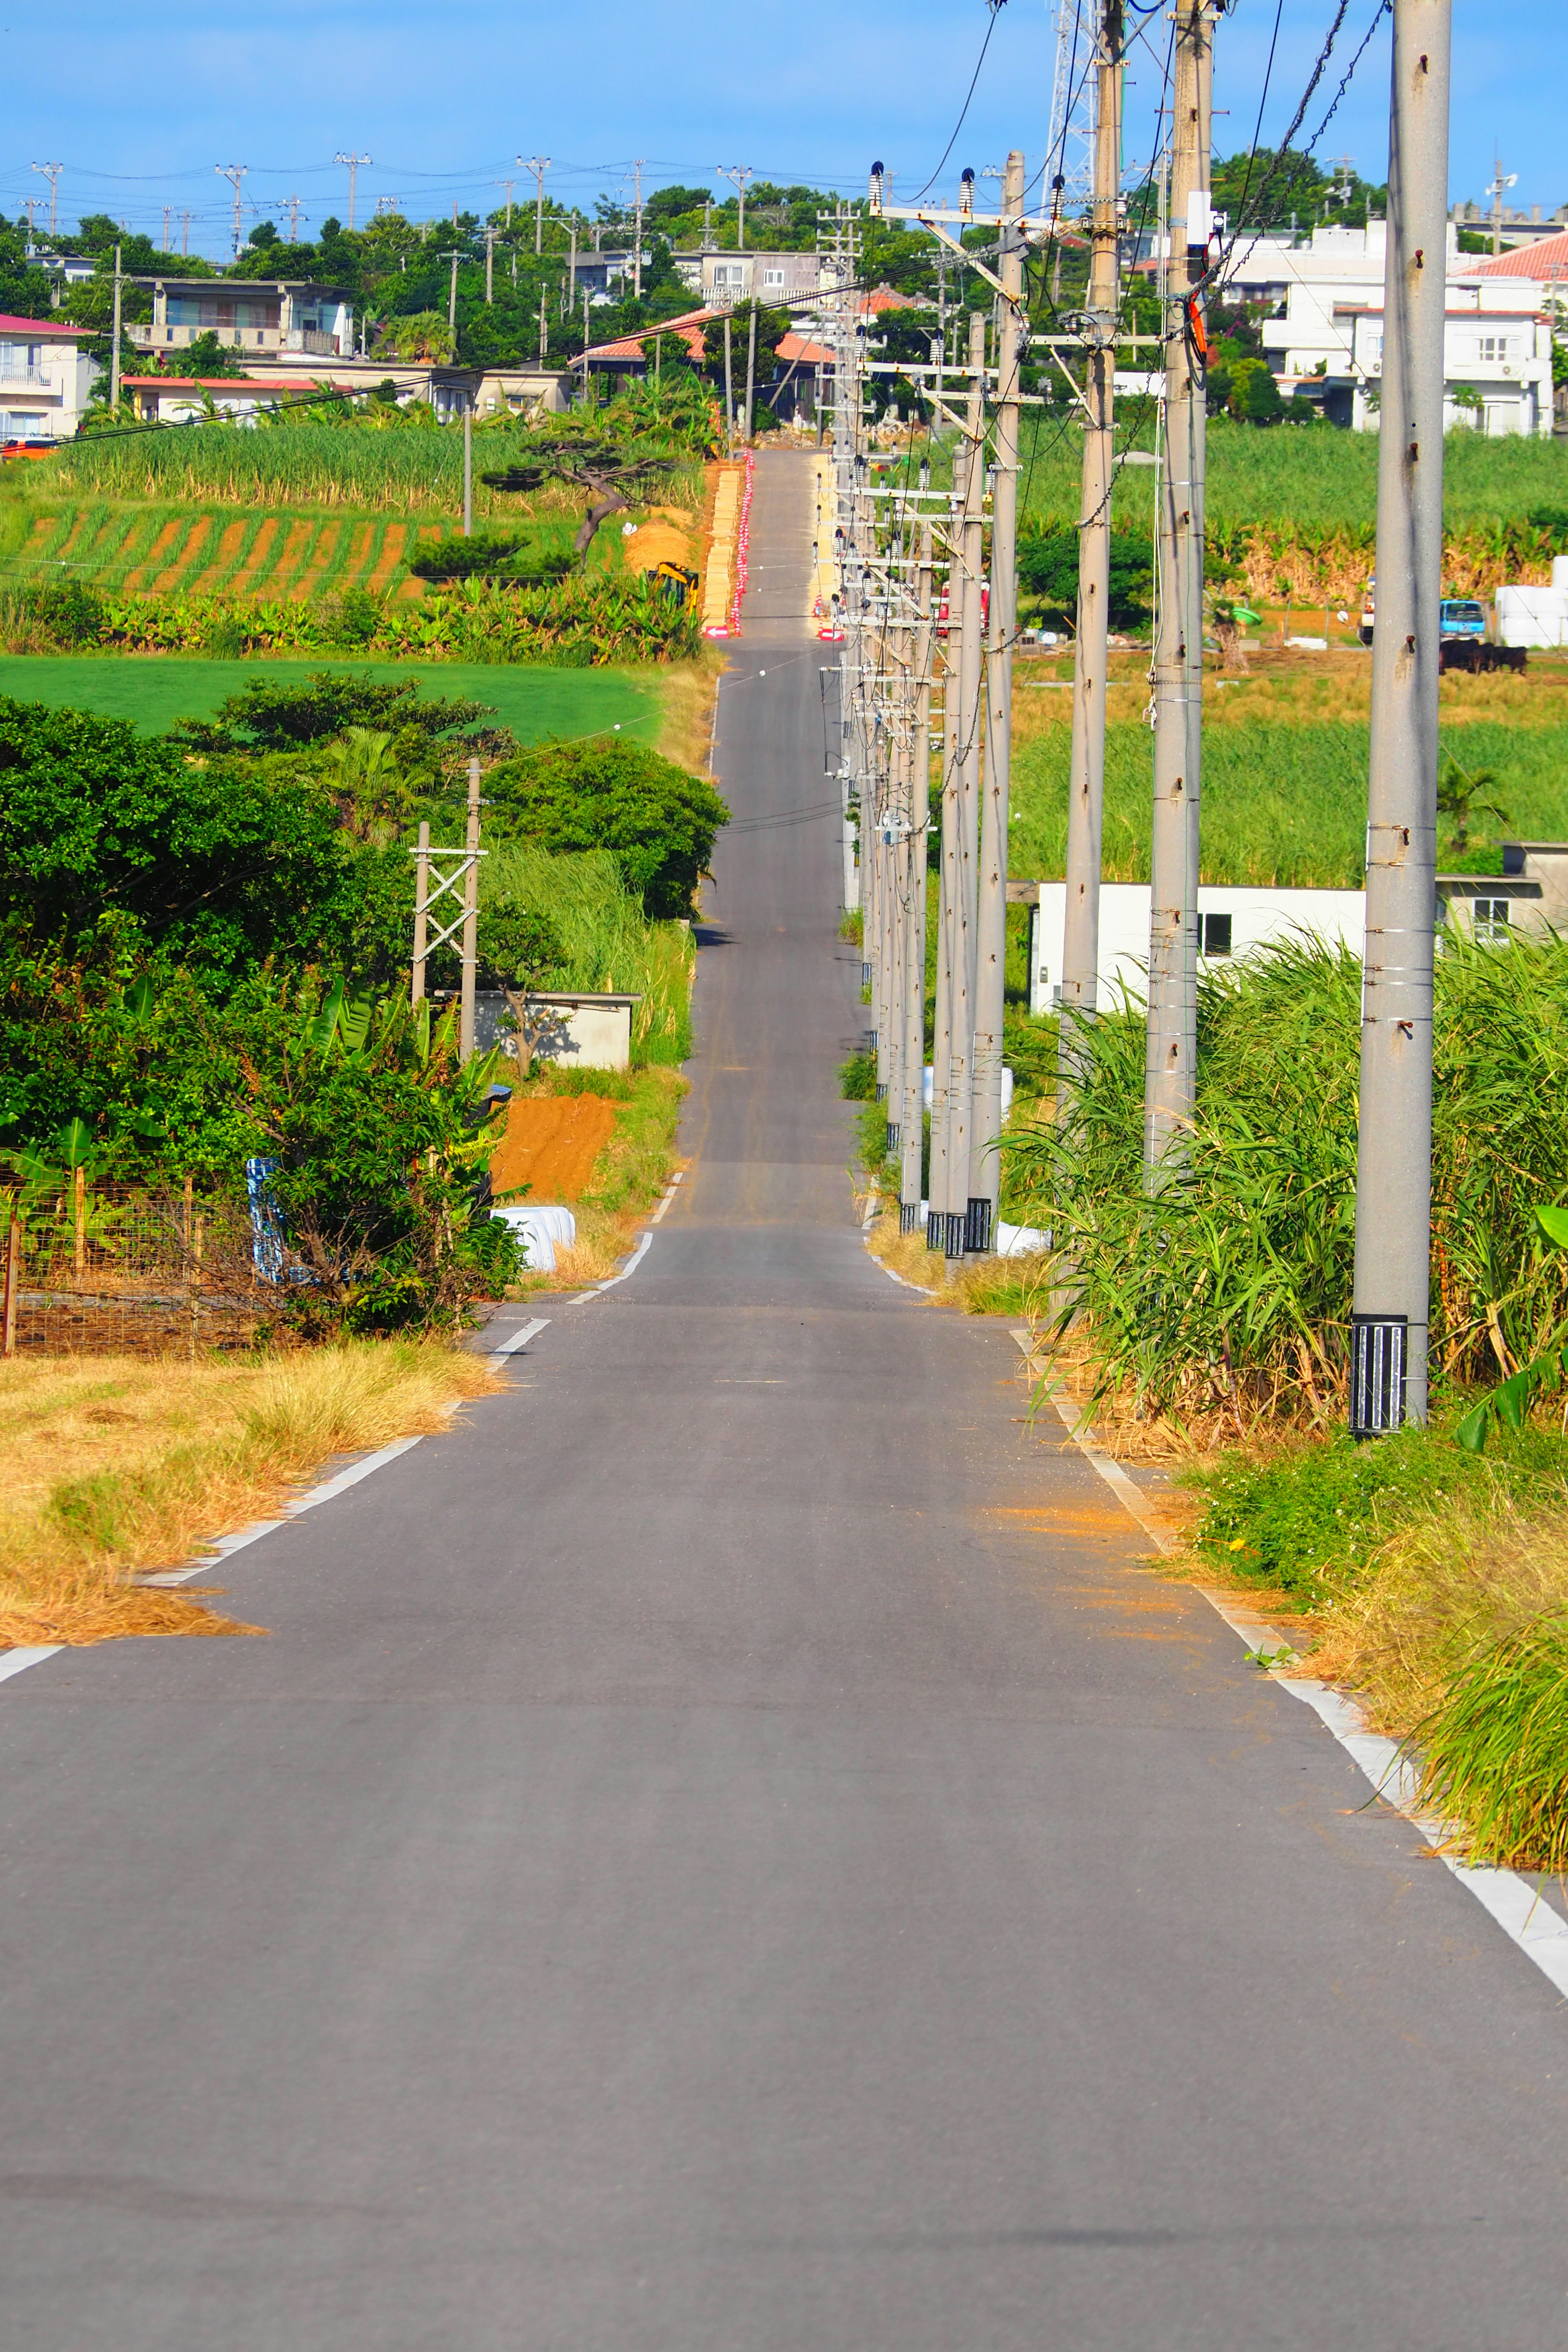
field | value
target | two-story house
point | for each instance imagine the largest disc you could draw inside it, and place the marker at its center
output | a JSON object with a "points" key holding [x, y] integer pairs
{"points": [[266, 319], [722, 279], [1497, 361], [46, 379]]}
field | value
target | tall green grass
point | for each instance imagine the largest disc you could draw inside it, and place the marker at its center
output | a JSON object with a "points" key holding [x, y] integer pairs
{"points": [[1226, 1294], [1310, 476], [1284, 805], [403, 470], [612, 947]]}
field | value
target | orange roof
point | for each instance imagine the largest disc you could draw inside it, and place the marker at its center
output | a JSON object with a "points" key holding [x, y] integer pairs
{"points": [[799, 347], [688, 326], [1546, 258]]}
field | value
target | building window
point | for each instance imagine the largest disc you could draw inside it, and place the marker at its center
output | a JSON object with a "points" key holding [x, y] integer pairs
{"points": [[1494, 347], [1490, 920], [773, 278], [1217, 935]]}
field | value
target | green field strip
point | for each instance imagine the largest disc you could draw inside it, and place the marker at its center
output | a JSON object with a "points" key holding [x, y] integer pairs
{"points": [[173, 555], [300, 538], [253, 574], [320, 581], [365, 565], [193, 555], [237, 556]]}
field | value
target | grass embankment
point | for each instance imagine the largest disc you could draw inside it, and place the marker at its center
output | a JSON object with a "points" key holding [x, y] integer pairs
{"points": [[112, 1466], [1435, 1584], [1285, 768]]}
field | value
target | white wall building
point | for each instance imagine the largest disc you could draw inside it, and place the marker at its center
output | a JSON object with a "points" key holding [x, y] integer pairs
{"points": [[726, 278], [1497, 360], [1233, 922], [46, 379]]}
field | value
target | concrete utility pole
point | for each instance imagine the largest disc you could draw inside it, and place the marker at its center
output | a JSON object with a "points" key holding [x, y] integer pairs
{"points": [[1170, 1066], [991, 911], [470, 918], [960, 804], [508, 185], [543, 330], [234, 172], [489, 235], [912, 1112], [1086, 791], [1393, 1166], [114, 340], [729, 392], [454, 258], [637, 232], [538, 166], [468, 464], [421, 912], [293, 205], [1501, 183], [354, 163], [739, 173], [51, 173], [185, 235], [751, 368]]}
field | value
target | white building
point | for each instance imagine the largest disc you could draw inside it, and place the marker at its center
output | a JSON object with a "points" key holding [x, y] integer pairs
{"points": [[284, 319], [1233, 922], [1497, 360], [724, 279], [46, 379]]}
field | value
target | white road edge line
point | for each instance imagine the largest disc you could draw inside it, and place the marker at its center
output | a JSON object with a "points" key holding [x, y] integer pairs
{"points": [[15, 1661], [521, 1339], [1538, 1930]]}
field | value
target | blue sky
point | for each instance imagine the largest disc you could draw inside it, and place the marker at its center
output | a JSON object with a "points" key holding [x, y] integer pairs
{"points": [[140, 106]]}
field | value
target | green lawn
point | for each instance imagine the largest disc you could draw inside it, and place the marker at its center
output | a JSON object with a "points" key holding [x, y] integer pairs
{"points": [[151, 691]]}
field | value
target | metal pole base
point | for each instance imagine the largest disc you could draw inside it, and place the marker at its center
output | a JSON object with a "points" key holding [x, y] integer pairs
{"points": [[865, 975], [882, 1094], [909, 1216], [892, 1136], [955, 1237], [977, 1228], [936, 1229], [1379, 1356]]}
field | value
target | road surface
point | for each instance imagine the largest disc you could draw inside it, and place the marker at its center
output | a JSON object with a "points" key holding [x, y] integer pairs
{"points": [[727, 1851]]}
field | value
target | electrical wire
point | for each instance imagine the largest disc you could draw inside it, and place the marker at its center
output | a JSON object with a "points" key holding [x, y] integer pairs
{"points": [[995, 7]]}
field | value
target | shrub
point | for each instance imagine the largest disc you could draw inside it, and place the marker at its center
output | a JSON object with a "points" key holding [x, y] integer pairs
{"points": [[658, 822], [351, 617], [69, 614]]}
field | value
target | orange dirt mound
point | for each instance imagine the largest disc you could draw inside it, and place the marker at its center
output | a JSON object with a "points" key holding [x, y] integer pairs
{"points": [[551, 1144]]}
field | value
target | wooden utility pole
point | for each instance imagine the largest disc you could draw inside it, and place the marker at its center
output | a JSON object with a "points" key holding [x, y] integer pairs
{"points": [[1170, 1065], [1086, 791], [1394, 1164], [421, 910], [991, 910]]}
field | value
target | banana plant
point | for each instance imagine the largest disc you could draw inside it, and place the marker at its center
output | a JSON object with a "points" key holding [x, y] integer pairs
{"points": [[1507, 1405]]}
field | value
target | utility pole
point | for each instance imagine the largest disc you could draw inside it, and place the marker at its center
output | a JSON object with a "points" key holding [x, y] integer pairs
{"points": [[114, 340], [1393, 1163], [739, 173], [912, 1112], [636, 232], [468, 464], [538, 166], [293, 205], [51, 173], [961, 799], [354, 163], [508, 185], [470, 918], [729, 390], [421, 912], [491, 234], [543, 330], [162, 248], [453, 257], [991, 911], [1500, 185], [234, 172], [185, 236], [1086, 791], [1171, 1063], [751, 368]]}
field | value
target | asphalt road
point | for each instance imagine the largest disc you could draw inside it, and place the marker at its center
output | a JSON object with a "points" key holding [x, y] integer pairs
{"points": [[728, 1852]]}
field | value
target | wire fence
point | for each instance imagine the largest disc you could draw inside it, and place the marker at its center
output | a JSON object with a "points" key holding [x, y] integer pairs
{"points": [[111, 1269]]}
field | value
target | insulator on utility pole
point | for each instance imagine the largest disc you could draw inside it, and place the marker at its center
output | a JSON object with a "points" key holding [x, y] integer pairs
{"points": [[1079, 976], [1171, 1064], [1394, 1160], [991, 908]]}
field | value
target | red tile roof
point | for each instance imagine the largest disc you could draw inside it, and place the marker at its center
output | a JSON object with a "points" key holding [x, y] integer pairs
{"points": [[10, 326], [1547, 258], [810, 354]]}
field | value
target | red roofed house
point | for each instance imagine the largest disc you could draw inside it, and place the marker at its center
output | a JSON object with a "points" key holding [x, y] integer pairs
{"points": [[183, 399], [1545, 261], [45, 379]]}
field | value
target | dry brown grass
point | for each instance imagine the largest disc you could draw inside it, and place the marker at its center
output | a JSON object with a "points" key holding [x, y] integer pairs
{"points": [[1477, 1573], [687, 691], [112, 1465]]}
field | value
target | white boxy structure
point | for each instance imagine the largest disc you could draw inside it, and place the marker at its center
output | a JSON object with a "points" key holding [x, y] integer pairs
{"points": [[1234, 921], [1535, 616]]}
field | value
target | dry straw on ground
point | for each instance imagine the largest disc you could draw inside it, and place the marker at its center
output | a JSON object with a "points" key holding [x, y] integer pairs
{"points": [[111, 1466]]}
